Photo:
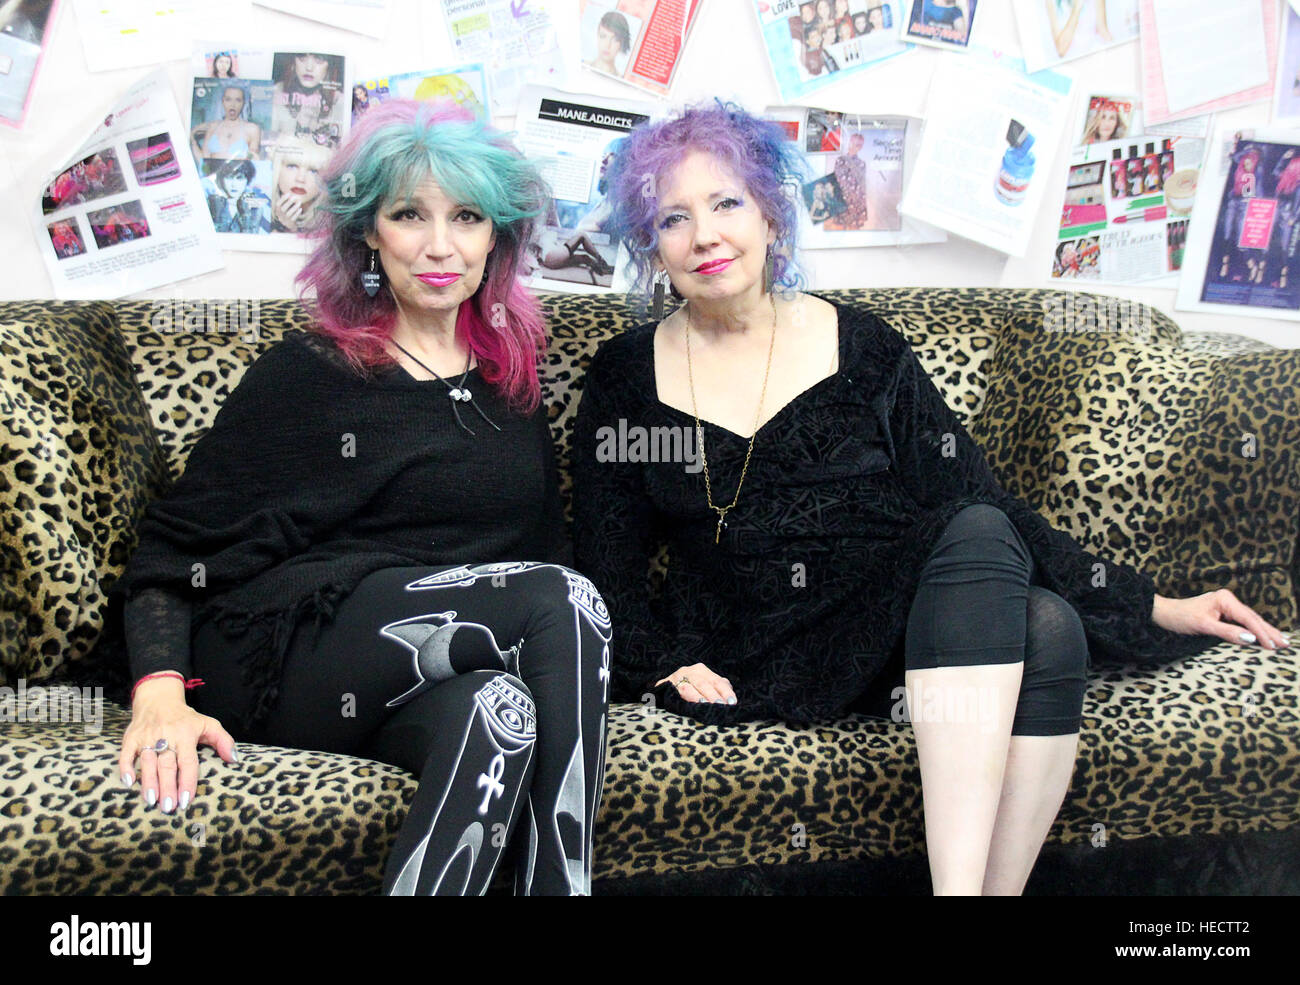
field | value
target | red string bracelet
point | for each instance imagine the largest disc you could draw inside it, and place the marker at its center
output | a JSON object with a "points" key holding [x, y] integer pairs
{"points": [[190, 684]]}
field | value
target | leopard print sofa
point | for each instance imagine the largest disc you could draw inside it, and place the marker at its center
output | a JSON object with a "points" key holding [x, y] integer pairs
{"points": [[1208, 746]]}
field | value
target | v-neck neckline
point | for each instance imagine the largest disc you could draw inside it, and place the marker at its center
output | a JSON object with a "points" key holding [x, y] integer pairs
{"points": [[840, 341]]}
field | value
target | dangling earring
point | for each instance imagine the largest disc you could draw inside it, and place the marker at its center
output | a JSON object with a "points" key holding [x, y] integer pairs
{"points": [[767, 272], [370, 278], [661, 279]]}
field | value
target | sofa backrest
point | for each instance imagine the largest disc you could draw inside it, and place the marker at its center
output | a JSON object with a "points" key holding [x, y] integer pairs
{"points": [[190, 354]]}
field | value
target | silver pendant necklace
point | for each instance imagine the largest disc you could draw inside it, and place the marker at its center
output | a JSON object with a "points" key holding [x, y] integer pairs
{"points": [[459, 393]]}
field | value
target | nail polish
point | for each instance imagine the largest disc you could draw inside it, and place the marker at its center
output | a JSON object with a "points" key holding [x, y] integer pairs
{"points": [[127, 779], [167, 805], [151, 797], [185, 799], [1246, 637]]}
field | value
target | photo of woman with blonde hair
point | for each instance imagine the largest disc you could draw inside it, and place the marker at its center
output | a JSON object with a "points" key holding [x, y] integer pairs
{"points": [[296, 166]]}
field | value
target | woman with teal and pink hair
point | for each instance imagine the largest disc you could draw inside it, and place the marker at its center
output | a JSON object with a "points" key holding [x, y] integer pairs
{"points": [[366, 553]]}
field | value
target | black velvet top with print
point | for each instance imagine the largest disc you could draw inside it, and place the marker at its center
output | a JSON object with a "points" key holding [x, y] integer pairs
{"points": [[806, 596]]}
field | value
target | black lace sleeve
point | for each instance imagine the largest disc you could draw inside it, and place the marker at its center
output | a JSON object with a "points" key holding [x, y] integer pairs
{"points": [[612, 537], [156, 624]]}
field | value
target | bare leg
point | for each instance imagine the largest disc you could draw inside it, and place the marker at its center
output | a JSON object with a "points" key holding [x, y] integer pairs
{"points": [[963, 758], [1037, 776]]}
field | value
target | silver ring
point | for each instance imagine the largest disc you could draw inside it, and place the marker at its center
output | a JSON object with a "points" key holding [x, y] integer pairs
{"points": [[160, 745]]}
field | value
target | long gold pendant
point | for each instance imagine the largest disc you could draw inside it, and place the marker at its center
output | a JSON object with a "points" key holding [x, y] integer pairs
{"points": [[722, 519]]}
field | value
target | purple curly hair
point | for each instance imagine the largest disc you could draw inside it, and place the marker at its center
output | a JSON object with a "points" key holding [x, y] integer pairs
{"points": [[755, 150]]}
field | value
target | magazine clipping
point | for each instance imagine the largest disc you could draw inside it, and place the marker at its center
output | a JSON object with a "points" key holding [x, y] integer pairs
{"points": [[1286, 92], [466, 85], [362, 16], [856, 168], [941, 23], [639, 42], [572, 138], [1243, 251], [22, 48], [1126, 210], [125, 211], [1202, 56], [985, 159], [812, 43], [516, 41], [128, 33], [263, 126], [1109, 116], [1056, 31]]}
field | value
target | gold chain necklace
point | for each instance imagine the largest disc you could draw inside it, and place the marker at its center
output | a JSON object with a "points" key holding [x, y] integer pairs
{"points": [[699, 430]]}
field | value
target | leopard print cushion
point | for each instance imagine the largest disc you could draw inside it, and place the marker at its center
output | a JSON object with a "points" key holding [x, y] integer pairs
{"points": [[80, 463], [1207, 746], [1184, 464]]}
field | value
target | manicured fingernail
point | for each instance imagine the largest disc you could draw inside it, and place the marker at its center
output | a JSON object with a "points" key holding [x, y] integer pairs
{"points": [[234, 754], [127, 779], [185, 799], [731, 701], [151, 797], [167, 805], [1246, 637]]}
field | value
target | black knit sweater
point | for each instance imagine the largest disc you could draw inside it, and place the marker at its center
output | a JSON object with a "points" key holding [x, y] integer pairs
{"points": [[313, 476]]}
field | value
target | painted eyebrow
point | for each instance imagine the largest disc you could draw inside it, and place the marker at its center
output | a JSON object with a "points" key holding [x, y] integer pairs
{"points": [[716, 195], [417, 201]]}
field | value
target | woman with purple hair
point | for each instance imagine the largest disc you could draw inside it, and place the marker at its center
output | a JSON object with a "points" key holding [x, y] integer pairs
{"points": [[836, 540], [366, 551]]}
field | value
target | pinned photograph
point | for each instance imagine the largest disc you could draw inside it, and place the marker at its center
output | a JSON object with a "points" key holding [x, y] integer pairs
{"points": [[465, 85], [308, 98], [222, 64], [1109, 118], [229, 119], [1055, 31], [153, 159], [296, 166], [578, 255], [941, 23], [607, 34], [236, 195], [823, 199], [95, 176], [121, 223], [66, 238]]}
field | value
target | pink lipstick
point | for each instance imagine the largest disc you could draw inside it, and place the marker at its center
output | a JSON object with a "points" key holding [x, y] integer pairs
{"points": [[439, 280], [713, 267]]}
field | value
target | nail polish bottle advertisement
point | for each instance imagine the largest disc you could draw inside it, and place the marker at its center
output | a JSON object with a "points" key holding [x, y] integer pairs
{"points": [[1118, 182], [1151, 180], [1017, 166], [1166, 162]]}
